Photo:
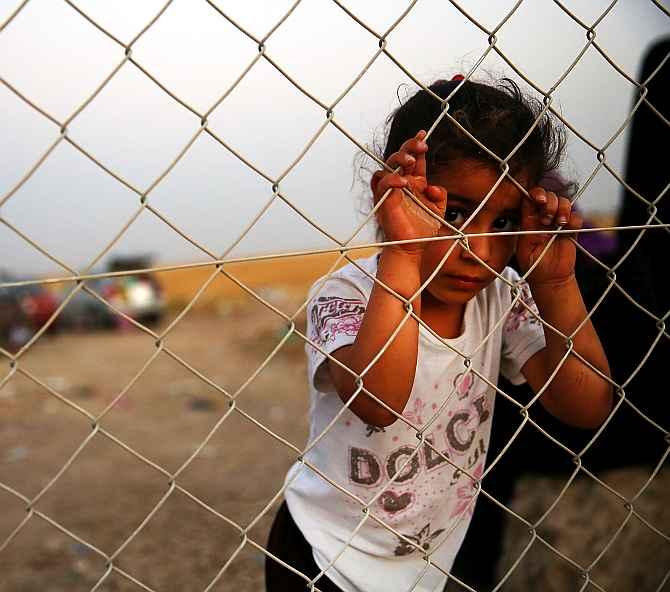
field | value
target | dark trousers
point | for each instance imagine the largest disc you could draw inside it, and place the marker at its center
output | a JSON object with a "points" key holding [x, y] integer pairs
{"points": [[287, 542]]}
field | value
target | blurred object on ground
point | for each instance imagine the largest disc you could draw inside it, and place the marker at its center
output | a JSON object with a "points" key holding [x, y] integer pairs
{"points": [[24, 310], [84, 312], [138, 296]]}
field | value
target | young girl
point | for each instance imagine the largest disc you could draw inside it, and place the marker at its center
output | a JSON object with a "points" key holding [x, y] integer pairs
{"points": [[406, 466]]}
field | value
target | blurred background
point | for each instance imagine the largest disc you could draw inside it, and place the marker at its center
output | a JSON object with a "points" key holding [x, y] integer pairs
{"points": [[92, 363]]}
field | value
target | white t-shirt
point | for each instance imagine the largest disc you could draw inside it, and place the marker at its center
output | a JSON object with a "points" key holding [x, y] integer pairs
{"points": [[429, 500]]}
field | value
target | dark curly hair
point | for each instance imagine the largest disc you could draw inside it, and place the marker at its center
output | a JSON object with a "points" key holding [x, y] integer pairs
{"points": [[498, 116]]}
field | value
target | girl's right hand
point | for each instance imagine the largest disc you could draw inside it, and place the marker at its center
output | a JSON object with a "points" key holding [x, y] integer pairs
{"points": [[399, 216]]}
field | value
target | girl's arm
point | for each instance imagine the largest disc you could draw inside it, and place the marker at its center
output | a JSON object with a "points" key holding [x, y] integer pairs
{"points": [[391, 377], [577, 395]]}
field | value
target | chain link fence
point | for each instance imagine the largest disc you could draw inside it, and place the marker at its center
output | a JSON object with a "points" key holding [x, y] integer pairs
{"points": [[221, 264]]}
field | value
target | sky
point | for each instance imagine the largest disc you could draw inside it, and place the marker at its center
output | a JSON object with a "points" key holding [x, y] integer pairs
{"points": [[74, 209]]}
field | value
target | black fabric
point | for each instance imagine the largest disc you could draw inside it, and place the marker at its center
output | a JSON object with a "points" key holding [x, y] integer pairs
{"points": [[647, 173], [287, 542]]}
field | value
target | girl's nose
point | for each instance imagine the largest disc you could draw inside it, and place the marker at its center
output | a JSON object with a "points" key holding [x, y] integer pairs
{"points": [[480, 248]]}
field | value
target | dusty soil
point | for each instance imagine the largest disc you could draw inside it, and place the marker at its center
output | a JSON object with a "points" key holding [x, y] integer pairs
{"points": [[107, 492], [622, 549]]}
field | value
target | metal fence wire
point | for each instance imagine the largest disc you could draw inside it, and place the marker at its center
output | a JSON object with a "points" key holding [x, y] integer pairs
{"points": [[218, 264]]}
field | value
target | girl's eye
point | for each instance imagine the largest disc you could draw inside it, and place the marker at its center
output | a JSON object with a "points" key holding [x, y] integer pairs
{"points": [[506, 223], [454, 216]]}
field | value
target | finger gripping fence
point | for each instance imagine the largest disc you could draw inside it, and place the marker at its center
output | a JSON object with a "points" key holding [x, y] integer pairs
{"points": [[243, 534]]}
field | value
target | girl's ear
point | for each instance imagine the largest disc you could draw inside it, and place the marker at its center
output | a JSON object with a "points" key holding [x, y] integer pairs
{"points": [[374, 182]]}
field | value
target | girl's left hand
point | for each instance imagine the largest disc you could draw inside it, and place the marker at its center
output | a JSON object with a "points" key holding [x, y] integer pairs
{"points": [[545, 211]]}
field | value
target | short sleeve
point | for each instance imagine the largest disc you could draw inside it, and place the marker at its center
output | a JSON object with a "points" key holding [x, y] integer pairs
{"points": [[334, 315], [523, 333]]}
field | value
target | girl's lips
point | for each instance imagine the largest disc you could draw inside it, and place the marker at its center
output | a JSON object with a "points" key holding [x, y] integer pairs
{"points": [[466, 281]]}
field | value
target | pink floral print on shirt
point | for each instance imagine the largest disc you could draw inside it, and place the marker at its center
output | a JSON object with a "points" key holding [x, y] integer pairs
{"points": [[520, 313], [465, 493], [331, 316], [415, 412]]}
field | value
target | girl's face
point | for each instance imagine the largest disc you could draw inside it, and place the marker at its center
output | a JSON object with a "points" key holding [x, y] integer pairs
{"points": [[467, 183]]}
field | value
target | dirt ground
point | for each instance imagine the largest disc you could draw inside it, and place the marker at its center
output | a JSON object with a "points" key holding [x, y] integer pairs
{"points": [[107, 492]]}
